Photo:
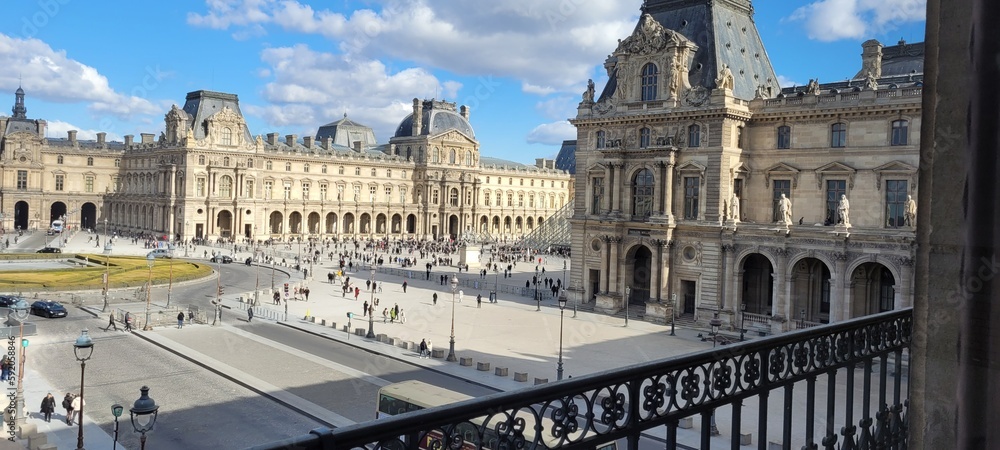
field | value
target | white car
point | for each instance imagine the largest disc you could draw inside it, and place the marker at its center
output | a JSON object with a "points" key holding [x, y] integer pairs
{"points": [[160, 253]]}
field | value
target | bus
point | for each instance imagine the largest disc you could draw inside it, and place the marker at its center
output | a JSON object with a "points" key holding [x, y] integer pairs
{"points": [[413, 395], [57, 226]]}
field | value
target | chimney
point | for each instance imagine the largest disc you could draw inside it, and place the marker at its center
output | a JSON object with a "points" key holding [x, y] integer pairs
{"points": [[328, 143], [465, 112], [290, 140], [871, 58], [41, 127], [308, 141], [128, 140], [418, 117], [540, 163], [72, 136], [272, 138], [101, 138], [357, 146], [147, 138]]}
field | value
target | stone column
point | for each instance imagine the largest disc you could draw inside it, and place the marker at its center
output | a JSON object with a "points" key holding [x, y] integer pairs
{"points": [[656, 278], [726, 293], [781, 309], [611, 188], [840, 303], [669, 188], [606, 263], [621, 184], [904, 296], [613, 285]]}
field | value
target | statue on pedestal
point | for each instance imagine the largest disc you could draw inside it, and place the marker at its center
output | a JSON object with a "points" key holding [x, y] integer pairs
{"points": [[785, 210], [910, 212], [844, 211]]}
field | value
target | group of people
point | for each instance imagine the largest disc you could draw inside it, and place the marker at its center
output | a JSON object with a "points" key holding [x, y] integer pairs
{"points": [[71, 403]]}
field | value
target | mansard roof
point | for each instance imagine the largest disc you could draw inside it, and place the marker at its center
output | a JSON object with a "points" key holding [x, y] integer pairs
{"points": [[200, 105]]}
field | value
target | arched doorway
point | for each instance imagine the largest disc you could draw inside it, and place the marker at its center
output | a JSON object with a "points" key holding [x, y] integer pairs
{"points": [[873, 289], [88, 216], [331, 223], [295, 223], [21, 215], [758, 288], [224, 222], [484, 225], [519, 225], [531, 224], [314, 223], [496, 225], [349, 223], [57, 212], [453, 226], [366, 223], [275, 222], [411, 224], [397, 224], [810, 283], [640, 260], [380, 222]]}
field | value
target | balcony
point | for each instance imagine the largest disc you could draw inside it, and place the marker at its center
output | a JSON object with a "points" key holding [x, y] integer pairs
{"points": [[855, 395]]}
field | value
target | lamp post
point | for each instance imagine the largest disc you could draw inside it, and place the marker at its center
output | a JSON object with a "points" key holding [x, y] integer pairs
{"points": [[144, 412], [715, 323], [562, 308], [20, 312], [538, 300], [628, 293], [116, 410], [451, 342], [673, 313], [83, 348], [371, 305], [150, 261]]}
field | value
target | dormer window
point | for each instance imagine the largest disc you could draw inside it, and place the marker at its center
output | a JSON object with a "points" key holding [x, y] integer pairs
{"points": [[59, 159], [226, 137], [649, 79], [90, 160]]}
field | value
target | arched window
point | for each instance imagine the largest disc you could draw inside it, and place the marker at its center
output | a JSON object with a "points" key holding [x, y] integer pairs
{"points": [[227, 136], [453, 197], [357, 171], [226, 187], [644, 135], [322, 168], [288, 167], [373, 171], [600, 139], [694, 136], [838, 135], [225, 161], [408, 153], [642, 194], [59, 159], [201, 160], [118, 163], [900, 130], [250, 163], [452, 157], [649, 77], [269, 165], [90, 160], [305, 167], [468, 158], [340, 170], [435, 156]]}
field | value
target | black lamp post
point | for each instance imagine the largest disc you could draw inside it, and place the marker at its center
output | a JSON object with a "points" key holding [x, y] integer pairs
{"points": [[538, 300], [143, 413], [451, 342], [371, 331], [83, 348], [116, 410], [715, 323], [562, 308]]}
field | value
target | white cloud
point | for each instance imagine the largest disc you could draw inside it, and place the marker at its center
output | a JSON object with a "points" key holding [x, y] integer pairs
{"points": [[552, 133], [548, 45], [558, 108], [784, 82], [59, 129], [831, 20], [51, 75]]}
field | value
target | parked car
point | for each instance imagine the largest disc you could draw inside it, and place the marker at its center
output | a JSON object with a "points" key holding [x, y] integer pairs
{"points": [[48, 308], [50, 250], [160, 253], [225, 259], [6, 301]]}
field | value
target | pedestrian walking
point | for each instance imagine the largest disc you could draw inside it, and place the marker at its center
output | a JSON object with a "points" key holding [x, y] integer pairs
{"points": [[76, 405], [6, 368], [67, 404], [305, 291], [357, 292], [111, 322], [276, 298], [402, 317], [423, 349], [250, 314], [392, 316], [329, 277], [430, 348], [395, 308], [365, 310], [479, 301], [435, 299], [128, 321], [48, 407], [404, 287], [385, 315], [180, 320]]}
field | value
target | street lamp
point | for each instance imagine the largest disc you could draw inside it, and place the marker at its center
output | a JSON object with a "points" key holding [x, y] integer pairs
{"points": [[538, 300], [83, 348], [143, 413], [451, 343], [562, 308], [371, 305], [150, 261], [20, 313], [715, 323], [116, 410]]}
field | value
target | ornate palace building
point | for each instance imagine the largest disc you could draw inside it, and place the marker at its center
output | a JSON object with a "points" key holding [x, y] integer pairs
{"points": [[704, 186], [206, 176]]}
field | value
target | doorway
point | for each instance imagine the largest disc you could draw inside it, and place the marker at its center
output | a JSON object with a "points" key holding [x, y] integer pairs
{"points": [[689, 290], [595, 283]]}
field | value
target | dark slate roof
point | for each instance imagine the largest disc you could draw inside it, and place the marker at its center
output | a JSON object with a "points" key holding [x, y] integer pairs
{"points": [[15, 125], [437, 117], [566, 159], [490, 161], [86, 145], [734, 41], [345, 132], [903, 59], [200, 105]]}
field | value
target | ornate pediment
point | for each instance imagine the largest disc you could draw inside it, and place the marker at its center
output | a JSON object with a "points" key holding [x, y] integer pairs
{"points": [[650, 37], [741, 170], [835, 170], [896, 169], [781, 171], [454, 136]]}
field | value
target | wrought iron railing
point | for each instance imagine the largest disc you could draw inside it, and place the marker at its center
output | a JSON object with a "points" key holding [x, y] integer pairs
{"points": [[658, 398]]}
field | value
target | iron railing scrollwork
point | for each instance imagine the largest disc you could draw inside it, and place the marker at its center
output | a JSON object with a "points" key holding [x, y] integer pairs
{"points": [[653, 398]]}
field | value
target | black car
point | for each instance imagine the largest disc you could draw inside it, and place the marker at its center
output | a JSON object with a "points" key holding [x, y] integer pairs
{"points": [[49, 250], [222, 258], [6, 301], [48, 308]]}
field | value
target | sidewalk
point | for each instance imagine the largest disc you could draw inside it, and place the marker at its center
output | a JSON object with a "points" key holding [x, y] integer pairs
{"points": [[57, 432]]}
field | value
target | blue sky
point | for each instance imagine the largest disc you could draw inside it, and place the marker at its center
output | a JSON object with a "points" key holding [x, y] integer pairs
{"points": [[117, 66]]}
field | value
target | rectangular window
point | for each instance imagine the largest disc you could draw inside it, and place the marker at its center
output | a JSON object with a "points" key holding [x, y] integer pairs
{"points": [[388, 193], [468, 197], [895, 203], [597, 196], [371, 193], [510, 199], [900, 130], [268, 190], [288, 191], [88, 184], [357, 193], [784, 137], [838, 135], [694, 136], [200, 187], [520, 200], [531, 200], [249, 192], [499, 199], [834, 189], [22, 180], [691, 186], [59, 182], [340, 192], [434, 197], [322, 191], [402, 195], [305, 191], [486, 199], [780, 187]]}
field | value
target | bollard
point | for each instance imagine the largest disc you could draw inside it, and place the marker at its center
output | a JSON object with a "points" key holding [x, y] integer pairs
{"points": [[464, 361], [521, 376], [483, 367], [501, 372]]}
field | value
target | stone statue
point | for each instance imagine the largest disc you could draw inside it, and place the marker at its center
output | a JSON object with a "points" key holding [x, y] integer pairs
{"points": [[761, 92], [725, 79], [785, 210], [734, 208], [844, 211], [910, 212], [872, 82], [813, 86], [588, 95]]}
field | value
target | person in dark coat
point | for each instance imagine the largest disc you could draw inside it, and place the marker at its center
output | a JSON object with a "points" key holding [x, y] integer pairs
{"points": [[250, 314], [180, 320], [48, 407], [68, 404]]}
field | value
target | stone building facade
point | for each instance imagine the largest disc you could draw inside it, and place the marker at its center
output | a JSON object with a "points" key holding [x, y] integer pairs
{"points": [[207, 176], [705, 189]]}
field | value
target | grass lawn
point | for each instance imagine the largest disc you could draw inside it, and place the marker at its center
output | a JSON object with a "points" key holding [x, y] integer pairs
{"points": [[124, 271]]}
